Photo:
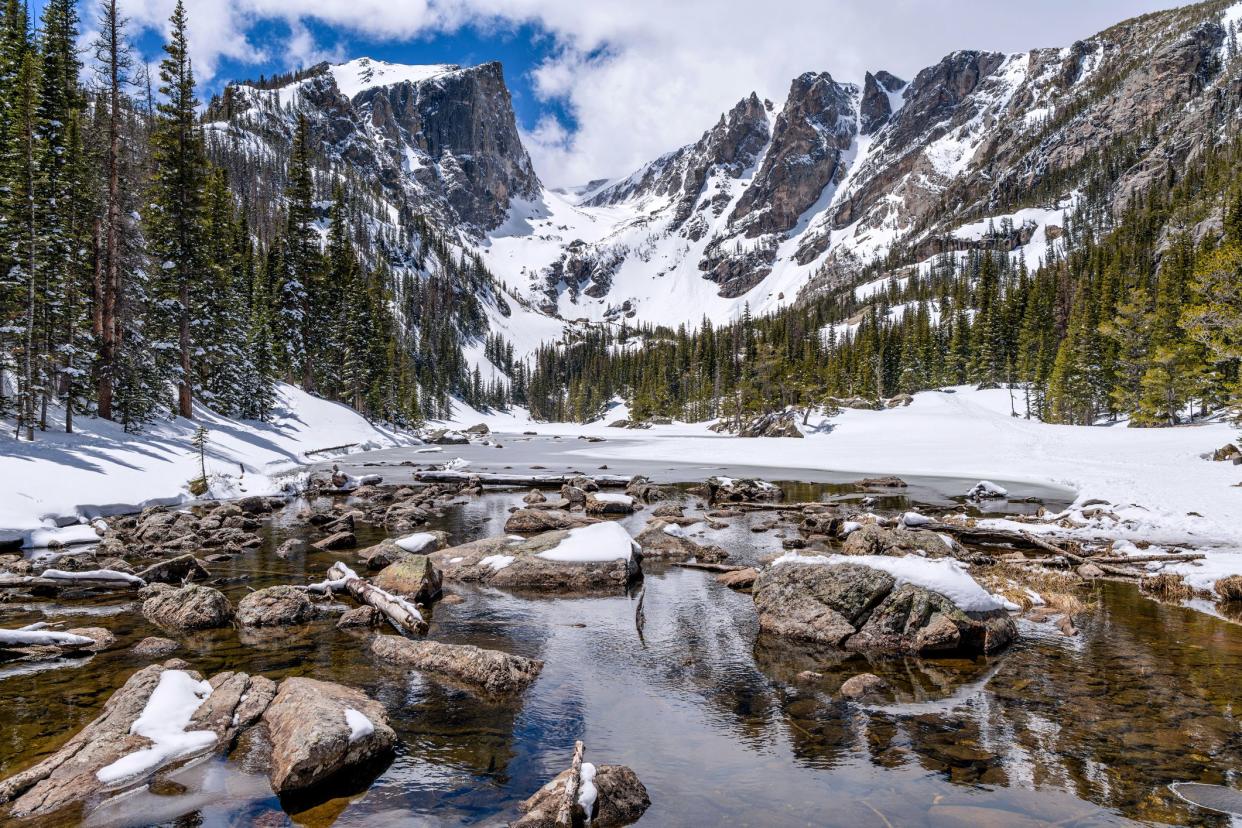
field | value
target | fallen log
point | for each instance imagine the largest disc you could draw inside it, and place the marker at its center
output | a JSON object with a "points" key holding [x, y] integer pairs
{"points": [[1133, 559], [403, 615], [984, 536], [569, 802], [707, 567], [61, 581], [538, 481]]}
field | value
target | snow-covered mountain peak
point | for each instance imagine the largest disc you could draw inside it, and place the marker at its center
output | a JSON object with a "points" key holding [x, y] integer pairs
{"points": [[358, 75]]}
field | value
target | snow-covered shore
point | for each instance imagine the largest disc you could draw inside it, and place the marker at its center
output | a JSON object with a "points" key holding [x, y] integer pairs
{"points": [[101, 470], [1155, 481]]}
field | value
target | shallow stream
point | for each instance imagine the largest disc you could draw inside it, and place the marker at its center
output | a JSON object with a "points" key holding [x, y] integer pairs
{"points": [[1062, 731]]}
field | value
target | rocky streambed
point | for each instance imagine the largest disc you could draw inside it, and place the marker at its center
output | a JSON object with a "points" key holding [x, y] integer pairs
{"points": [[701, 640]]}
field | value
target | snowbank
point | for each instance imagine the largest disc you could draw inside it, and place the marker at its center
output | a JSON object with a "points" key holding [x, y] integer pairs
{"points": [[100, 470], [1156, 481], [595, 543], [944, 575], [163, 721]]}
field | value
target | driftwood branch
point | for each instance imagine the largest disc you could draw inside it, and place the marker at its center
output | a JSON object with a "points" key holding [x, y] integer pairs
{"points": [[569, 802], [400, 613]]}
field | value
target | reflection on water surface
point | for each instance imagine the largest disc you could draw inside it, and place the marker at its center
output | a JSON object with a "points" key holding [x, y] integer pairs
{"points": [[722, 725]]}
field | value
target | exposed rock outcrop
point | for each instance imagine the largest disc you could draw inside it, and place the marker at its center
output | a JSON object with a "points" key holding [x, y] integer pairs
{"points": [[318, 729], [275, 606], [511, 563], [860, 608], [191, 607]]}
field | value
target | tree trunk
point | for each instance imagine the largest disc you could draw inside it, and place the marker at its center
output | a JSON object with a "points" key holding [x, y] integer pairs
{"points": [[112, 277], [185, 391]]}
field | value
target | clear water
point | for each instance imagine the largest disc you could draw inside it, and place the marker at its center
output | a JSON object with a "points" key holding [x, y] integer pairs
{"points": [[711, 715]]}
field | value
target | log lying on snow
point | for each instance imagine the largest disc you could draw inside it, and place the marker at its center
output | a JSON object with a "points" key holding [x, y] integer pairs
{"points": [[400, 613], [540, 481], [1111, 565]]}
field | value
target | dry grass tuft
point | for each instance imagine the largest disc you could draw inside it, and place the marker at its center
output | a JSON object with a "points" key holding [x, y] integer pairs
{"points": [[1230, 589], [1058, 589], [1167, 586]]}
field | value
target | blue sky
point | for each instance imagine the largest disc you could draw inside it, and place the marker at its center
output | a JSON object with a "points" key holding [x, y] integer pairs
{"points": [[603, 86]]}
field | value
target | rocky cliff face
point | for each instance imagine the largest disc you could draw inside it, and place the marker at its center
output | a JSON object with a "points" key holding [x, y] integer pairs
{"points": [[440, 140], [845, 174], [772, 198]]}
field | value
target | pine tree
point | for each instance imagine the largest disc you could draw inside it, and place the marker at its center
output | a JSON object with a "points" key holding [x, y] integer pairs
{"points": [[66, 208], [177, 221], [300, 260]]}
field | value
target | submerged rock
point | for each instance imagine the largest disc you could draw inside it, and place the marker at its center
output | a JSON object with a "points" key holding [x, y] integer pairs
{"points": [[318, 729], [860, 608], [154, 647], [275, 606], [743, 579], [191, 607], [620, 799], [489, 670], [601, 557], [863, 686]]}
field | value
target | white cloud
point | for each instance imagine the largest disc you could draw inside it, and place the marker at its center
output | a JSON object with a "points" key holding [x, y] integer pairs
{"points": [[642, 77]]}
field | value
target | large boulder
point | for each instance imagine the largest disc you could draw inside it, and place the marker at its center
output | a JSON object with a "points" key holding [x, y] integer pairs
{"points": [[601, 557], [413, 576], [668, 540], [127, 742], [859, 607], [545, 520], [779, 424], [489, 670], [318, 729], [871, 539], [154, 646], [620, 799], [191, 607], [275, 606]]}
